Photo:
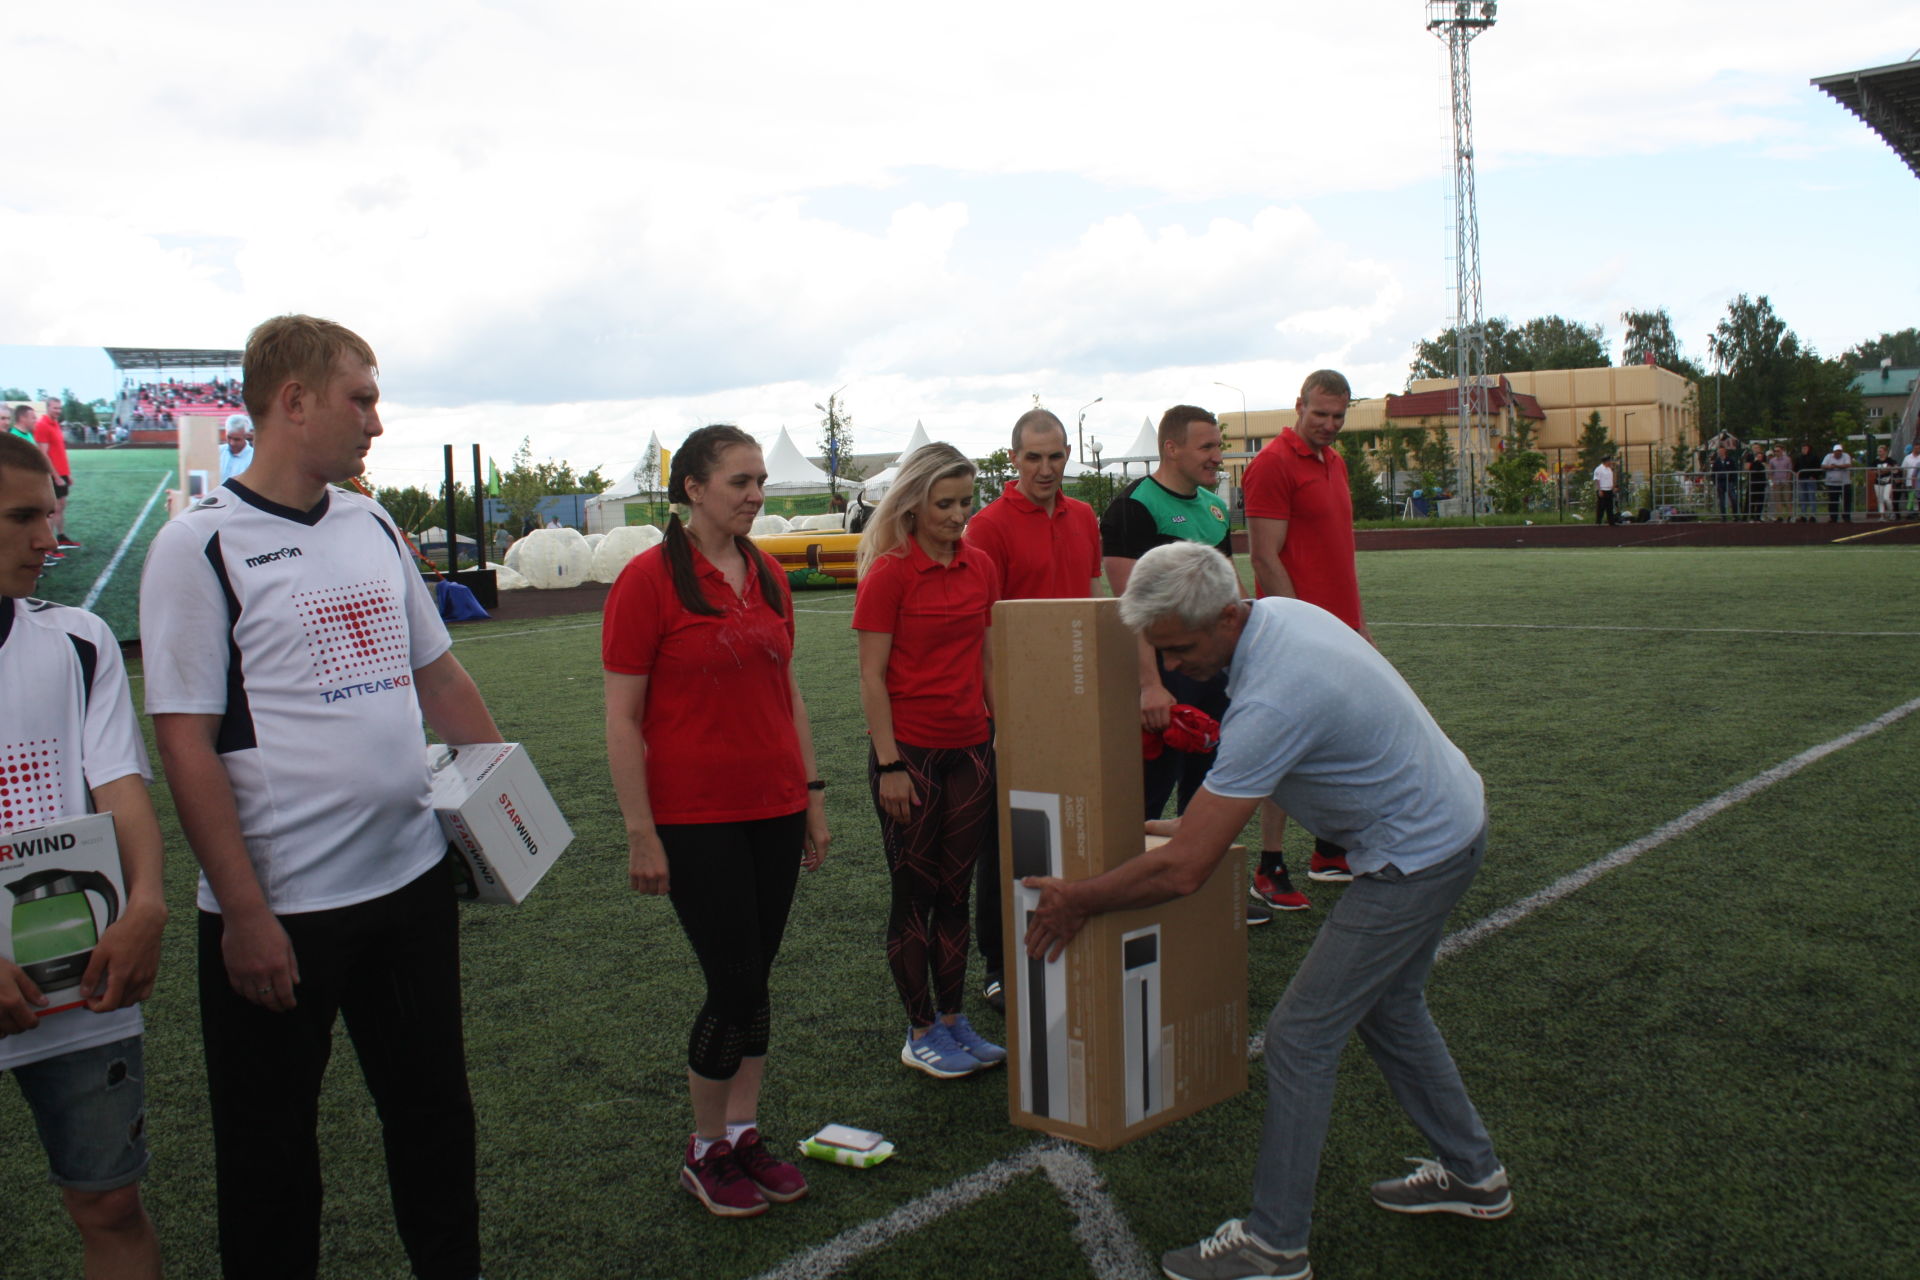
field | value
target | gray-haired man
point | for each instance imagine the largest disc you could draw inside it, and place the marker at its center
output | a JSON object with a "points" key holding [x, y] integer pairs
{"points": [[1324, 726]]}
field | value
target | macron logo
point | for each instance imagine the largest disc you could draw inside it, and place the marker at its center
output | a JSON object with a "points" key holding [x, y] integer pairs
{"points": [[284, 553]]}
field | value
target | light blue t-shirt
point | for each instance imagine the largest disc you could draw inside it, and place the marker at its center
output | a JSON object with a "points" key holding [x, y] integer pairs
{"points": [[1324, 725]]}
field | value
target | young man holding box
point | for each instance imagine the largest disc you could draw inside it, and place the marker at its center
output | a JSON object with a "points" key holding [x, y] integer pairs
{"points": [[70, 746], [292, 650]]}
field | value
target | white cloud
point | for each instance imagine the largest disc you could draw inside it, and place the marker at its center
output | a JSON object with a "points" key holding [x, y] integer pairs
{"points": [[593, 220]]}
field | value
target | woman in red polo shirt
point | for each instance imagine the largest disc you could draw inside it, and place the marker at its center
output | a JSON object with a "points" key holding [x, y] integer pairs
{"points": [[712, 762], [922, 612]]}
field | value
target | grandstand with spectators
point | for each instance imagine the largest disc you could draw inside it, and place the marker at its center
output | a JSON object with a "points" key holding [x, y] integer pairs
{"points": [[161, 386]]}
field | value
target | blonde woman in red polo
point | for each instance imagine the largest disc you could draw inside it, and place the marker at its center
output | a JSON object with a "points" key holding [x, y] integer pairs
{"points": [[922, 611], [712, 762]]}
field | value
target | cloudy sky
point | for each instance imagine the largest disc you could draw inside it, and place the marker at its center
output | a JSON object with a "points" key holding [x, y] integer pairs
{"points": [[585, 222]]}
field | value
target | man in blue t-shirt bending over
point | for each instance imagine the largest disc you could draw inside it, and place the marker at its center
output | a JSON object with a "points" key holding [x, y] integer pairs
{"points": [[1323, 725]]}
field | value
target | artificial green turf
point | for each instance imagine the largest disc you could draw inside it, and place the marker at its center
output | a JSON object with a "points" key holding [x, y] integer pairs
{"points": [[1703, 1064], [110, 486]]}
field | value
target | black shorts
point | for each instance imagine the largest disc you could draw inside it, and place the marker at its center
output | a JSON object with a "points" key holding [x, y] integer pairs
{"points": [[61, 484]]}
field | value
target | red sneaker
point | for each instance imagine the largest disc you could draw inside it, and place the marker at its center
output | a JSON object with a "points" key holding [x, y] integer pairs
{"points": [[1278, 892], [720, 1183], [778, 1181], [1325, 868]]}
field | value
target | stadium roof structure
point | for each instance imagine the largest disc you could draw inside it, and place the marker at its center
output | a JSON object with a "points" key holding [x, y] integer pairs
{"points": [[157, 358], [1887, 100]]}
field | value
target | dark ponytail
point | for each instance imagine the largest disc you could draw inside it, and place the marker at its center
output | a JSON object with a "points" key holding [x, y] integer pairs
{"points": [[695, 459]]}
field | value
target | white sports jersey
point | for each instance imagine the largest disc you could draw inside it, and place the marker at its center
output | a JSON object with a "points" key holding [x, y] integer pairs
{"points": [[68, 727], [302, 631]]}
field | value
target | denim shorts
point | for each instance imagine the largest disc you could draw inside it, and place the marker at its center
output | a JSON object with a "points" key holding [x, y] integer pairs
{"points": [[90, 1109]]}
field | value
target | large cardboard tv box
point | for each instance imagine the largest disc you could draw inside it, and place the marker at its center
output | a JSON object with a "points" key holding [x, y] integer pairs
{"points": [[1143, 1020], [60, 887], [498, 817]]}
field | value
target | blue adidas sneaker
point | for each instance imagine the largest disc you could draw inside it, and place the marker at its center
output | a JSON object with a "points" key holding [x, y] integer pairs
{"points": [[984, 1051], [938, 1054]]}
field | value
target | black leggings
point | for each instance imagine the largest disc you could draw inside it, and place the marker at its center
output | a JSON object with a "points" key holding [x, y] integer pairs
{"points": [[931, 860], [731, 883]]}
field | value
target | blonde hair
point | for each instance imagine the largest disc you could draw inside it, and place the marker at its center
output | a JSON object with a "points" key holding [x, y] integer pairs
{"points": [[891, 524], [290, 348]]}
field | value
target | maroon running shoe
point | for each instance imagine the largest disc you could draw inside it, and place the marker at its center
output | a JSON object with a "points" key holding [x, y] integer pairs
{"points": [[778, 1181], [720, 1183]]}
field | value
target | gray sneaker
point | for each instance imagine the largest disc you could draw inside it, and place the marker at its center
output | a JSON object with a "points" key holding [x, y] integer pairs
{"points": [[1431, 1189], [1232, 1254]]}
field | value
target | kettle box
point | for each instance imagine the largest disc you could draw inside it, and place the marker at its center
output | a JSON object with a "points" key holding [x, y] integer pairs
{"points": [[1143, 1020], [62, 888], [498, 817]]}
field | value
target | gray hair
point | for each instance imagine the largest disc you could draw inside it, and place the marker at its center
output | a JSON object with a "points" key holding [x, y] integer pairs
{"points": [[1185, 580]]}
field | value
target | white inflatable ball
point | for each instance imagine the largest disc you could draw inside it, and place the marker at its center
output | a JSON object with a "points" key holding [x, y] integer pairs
{"points": [[554, 558], [763, 525], [593, 541], [620, 546], [515, 550], [508, 580]]}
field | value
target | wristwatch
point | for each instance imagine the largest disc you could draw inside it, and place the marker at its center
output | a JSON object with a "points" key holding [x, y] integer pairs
{"points": [[898, 766]]}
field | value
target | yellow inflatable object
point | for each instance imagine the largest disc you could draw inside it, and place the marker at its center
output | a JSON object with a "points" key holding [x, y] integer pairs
{"points": [[823, 558]]}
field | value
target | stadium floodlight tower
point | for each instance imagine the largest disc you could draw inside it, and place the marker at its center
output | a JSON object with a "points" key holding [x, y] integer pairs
{"points": [[1457, 22]]}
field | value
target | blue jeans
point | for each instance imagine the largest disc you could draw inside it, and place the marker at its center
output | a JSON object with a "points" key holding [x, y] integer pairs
{"points": [[1367, 971], [90, 1109]]}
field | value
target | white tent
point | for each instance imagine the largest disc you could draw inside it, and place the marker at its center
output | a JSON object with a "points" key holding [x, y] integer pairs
{"points": [[608, 509], [437, 537], [1146, 446], [647, 474], [878, 483], [788, 469]]}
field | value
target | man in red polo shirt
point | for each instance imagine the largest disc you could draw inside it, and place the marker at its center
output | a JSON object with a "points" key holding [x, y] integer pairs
{"points": [[1300, 539], [52, 439], [1047, 546]]}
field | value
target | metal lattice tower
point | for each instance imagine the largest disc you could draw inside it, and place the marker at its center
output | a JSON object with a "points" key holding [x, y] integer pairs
{"points": [[1457, 22]]}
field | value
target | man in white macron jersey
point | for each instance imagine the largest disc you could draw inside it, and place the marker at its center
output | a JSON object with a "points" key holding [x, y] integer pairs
{"points": [[69, 745], [292, 648]]}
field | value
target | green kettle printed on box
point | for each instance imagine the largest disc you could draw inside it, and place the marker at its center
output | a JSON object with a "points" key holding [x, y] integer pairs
{"points": [[54, 929]]}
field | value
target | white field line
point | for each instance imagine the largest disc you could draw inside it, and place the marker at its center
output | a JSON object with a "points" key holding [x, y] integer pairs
{"points": [[120, 553], [1578, 626], [530, 631], [1484, 928], [1574, 881], [1109, 1244]]}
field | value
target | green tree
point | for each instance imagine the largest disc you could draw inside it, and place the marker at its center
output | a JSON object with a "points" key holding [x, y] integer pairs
{"points": [[75, 410], [412, 508], [1546, 342], [1821, 403], [1594, 442], [1096, 489], [1903, 348], [13, 393], [528, 483], [836, 440], [1513, 478], [1757, 354], [1650, 333], [1362, 486], [1430, 450], [995, 470]]}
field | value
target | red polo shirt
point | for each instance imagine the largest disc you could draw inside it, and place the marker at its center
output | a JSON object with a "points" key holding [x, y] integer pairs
{"points": [[1040, 557], [718, 719], [48, 435], [937, 615], [1288, 481]]}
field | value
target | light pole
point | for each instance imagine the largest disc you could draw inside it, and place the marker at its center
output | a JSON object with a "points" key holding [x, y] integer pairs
{"points": [[831, 409], [1080, 428], [1244, 429]]}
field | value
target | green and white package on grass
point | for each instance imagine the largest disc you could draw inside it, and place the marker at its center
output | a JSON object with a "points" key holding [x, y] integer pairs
{"points": [[855, 1148]]}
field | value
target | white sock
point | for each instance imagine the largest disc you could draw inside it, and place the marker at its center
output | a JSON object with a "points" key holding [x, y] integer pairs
{"points": [[735, 1130], [701, 1146]]}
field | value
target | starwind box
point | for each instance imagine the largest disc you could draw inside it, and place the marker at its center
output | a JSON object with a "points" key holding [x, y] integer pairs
{"points": [[60, 887], [498, 818], [1143, 1020]]}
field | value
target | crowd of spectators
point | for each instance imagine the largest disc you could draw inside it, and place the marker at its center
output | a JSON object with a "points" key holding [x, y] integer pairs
{"points": [[148, 405]]}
